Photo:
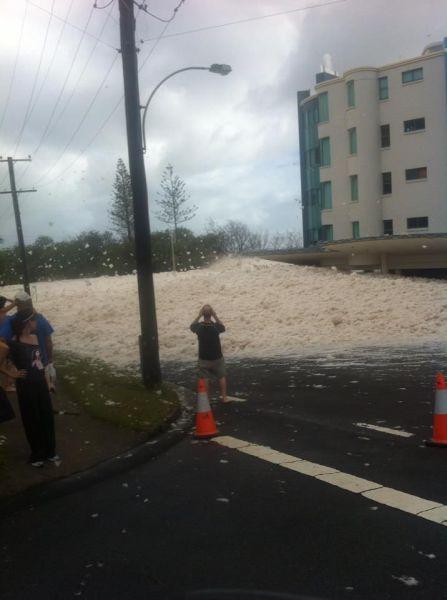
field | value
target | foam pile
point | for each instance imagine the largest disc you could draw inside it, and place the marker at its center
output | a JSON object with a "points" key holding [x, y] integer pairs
{"points": [[268, 309]]}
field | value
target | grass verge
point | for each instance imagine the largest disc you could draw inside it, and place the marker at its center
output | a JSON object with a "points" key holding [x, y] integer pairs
{"points": [[117, 397]]}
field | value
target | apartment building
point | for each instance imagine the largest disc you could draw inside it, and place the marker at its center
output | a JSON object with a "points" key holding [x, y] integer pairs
{"points": [[373, 149]]}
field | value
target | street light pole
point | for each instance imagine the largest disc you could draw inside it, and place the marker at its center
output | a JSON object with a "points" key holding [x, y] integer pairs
{"points": [[149, 352], [215, 68], [220, 69]]}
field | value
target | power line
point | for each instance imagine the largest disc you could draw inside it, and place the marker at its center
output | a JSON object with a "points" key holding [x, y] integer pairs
{"points": [[52, 60], [229, 23], [145, 9], [74, 89], [28, 111], [58, 99], [107, 119], [11, 84], [72, 25], [102, 7], [84, 116]]}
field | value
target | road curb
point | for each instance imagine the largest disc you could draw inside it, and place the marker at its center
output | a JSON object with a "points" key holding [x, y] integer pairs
{"points": [[177, 428]]}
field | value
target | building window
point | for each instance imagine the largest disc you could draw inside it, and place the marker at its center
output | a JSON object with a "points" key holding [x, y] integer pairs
{"points": [[415, 174], [414, 125], [388, 227], [354, 188], [387, 186], [383, 88], [323, 108], [385, 136], [417, 223], [352, 140], [413, 75], [326, 233], [355, 230], [325, 152], [326, 195], [350, 94]]}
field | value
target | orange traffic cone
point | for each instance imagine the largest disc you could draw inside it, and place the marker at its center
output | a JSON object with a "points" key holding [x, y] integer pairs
{"points": [[205, 424], [440, 413]]}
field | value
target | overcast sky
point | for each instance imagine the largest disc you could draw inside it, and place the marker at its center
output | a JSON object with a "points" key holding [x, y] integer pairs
{"points": [[232, 139]]}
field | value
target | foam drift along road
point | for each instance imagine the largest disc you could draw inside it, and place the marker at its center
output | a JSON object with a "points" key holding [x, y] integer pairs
{"points": [[208, 515], [268, 308]]}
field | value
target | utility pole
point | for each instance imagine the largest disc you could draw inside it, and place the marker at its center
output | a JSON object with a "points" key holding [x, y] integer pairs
{"points": [[15, 201], [149, 353]]}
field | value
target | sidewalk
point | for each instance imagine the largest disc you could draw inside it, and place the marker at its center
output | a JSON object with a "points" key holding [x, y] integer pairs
{"points": [[81, 442]]}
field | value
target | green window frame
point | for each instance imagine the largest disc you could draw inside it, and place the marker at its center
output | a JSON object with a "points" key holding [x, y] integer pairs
{"points": [[352, 133], [388, 227], [350, 93], [387, 183], [355, 230], [325, 152], [326, 233], [385, 136], [417, 223], [413, 75], [323, 107], [414, 125], [415, 174], [326, 195], [383, 88], [354, 183]]}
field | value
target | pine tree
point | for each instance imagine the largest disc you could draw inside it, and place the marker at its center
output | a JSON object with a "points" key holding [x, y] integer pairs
{"points": [[121, 212], [171, 201]]}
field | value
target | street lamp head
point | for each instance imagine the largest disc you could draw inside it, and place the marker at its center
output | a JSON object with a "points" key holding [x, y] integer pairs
{"points": [[221, 69]]}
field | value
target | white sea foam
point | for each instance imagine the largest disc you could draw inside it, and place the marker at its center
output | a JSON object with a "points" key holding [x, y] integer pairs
{"points": [[268, 308]]}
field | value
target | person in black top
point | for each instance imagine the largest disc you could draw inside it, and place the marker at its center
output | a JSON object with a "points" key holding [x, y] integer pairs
{"points": [[32, 391], [211, 361]]}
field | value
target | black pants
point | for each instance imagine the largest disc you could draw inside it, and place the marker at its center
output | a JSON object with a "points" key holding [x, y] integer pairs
{"points": [[37, 417]]}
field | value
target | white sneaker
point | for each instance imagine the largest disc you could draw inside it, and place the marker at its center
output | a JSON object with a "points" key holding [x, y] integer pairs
{"points": [[55, 459], [37, 463]]}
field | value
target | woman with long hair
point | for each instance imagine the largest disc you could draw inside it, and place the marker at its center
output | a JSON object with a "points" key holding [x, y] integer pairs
{"points": [[32, 391]]}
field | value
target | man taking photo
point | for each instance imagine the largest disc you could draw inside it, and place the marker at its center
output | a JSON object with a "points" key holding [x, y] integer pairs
{"points": [[211, 361]]}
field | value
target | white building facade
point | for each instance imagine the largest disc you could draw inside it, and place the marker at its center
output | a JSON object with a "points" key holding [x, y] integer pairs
{"points": [[373, 147]]}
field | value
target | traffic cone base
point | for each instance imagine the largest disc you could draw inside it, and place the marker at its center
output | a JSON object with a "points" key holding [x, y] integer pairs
{"points": [[205, 424], [439, 438]]}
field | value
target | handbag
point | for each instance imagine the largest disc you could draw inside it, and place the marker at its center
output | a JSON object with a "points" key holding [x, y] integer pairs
{"points": [[6, 410]]}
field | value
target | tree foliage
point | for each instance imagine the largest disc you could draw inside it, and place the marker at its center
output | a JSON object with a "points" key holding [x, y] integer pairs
{"points": [[172, 201], [94, 253], [236, 237], [121, 211]]}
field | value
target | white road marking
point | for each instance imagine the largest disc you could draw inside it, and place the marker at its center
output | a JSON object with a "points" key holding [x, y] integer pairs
{"points": [[268, 454], [419, 507], [385, 429], [401, 500], [349, 482], [231, 442], [438, 515], [308, 468]]}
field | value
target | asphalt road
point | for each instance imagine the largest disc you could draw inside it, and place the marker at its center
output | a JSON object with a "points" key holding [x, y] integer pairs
{"points": [[206, 516]]}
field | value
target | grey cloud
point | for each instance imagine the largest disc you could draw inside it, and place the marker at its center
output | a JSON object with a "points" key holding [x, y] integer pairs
{"points": [[226, 137]]}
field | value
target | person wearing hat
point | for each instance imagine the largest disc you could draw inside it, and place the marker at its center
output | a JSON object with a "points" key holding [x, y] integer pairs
{"points": [[44, 330], [32, 390]]}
